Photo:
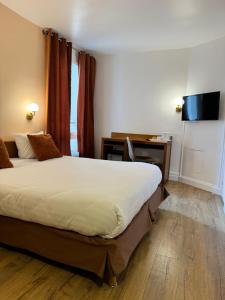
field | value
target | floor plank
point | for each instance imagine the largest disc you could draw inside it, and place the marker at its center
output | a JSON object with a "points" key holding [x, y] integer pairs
{"points": [[182, 258]]}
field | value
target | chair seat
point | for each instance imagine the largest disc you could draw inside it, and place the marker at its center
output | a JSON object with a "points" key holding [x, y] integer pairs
{"points": [[144, 158], [148, 159]]}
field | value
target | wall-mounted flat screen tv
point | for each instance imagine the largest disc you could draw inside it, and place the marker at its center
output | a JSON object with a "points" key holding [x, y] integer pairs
{"points": [[201, 107]]}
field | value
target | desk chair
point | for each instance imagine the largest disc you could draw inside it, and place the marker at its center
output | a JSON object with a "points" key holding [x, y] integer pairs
{"points": [[145, 159], [135, 158]]}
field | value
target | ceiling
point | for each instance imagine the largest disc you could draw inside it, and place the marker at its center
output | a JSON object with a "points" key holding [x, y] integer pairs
{"points": [[112, 26]]}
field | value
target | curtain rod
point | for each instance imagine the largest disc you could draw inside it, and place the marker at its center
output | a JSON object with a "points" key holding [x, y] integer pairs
{"points": [[46, 31]]}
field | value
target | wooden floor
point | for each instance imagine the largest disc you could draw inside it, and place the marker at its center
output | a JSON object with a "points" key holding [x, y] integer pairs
{"points": [[182, 258]]}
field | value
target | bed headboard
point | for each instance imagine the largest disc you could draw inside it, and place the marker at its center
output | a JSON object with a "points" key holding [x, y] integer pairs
{"points": [[12, 149]]}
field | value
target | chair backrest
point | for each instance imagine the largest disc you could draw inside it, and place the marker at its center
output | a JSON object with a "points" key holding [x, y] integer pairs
{"points": [[130, 149]]}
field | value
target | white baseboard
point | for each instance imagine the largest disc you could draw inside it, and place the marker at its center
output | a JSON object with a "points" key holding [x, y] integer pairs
{"points": [[201, 184], [174, 176]]}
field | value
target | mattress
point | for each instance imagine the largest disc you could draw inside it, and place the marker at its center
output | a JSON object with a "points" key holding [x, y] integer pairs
{"points": [[88, 196]]}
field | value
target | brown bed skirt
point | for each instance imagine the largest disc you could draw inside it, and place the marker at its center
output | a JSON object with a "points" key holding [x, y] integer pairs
{"points": [[107, 258]]}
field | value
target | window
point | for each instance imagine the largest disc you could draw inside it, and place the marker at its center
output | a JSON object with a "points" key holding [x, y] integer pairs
{"points": [[73, 114]]}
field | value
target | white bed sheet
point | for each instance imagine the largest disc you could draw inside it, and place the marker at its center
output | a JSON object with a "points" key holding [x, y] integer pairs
{"points": [[20, 162], [91, 197]]}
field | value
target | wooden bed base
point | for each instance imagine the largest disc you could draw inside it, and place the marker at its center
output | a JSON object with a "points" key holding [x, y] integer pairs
{"points": [[106, 258]]}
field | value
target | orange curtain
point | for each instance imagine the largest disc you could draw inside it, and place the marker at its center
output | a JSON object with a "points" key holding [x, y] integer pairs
{"points": [[85, 105], [58, 84]]}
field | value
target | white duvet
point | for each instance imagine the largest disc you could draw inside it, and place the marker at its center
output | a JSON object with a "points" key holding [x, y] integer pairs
{"points": [[91, 197]]}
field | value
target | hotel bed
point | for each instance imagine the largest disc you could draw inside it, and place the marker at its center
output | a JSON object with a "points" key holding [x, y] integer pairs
{"points": [[85, 213]]}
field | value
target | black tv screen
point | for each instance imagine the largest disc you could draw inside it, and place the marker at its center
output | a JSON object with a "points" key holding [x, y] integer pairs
{"points": [[201, 107]]}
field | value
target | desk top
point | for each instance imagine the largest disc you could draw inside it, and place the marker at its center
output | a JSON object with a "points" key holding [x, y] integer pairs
{"points": [[138, 141]]}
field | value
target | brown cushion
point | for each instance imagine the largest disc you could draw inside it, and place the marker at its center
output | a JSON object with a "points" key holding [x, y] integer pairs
{"points": [[4, 157], [44, 146]]}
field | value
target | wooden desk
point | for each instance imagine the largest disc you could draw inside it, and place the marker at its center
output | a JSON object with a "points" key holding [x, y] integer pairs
{"points": [[118, 146]]}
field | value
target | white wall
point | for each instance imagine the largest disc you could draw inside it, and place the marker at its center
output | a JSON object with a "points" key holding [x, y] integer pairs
{"points": [[203, 141], [137, 93]]}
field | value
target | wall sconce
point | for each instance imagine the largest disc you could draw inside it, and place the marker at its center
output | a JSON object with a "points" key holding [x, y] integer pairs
{"points": [[179, 104], [32, 108]]}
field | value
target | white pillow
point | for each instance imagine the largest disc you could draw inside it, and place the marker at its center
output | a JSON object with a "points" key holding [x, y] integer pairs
{"points": [[23, 145]]}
